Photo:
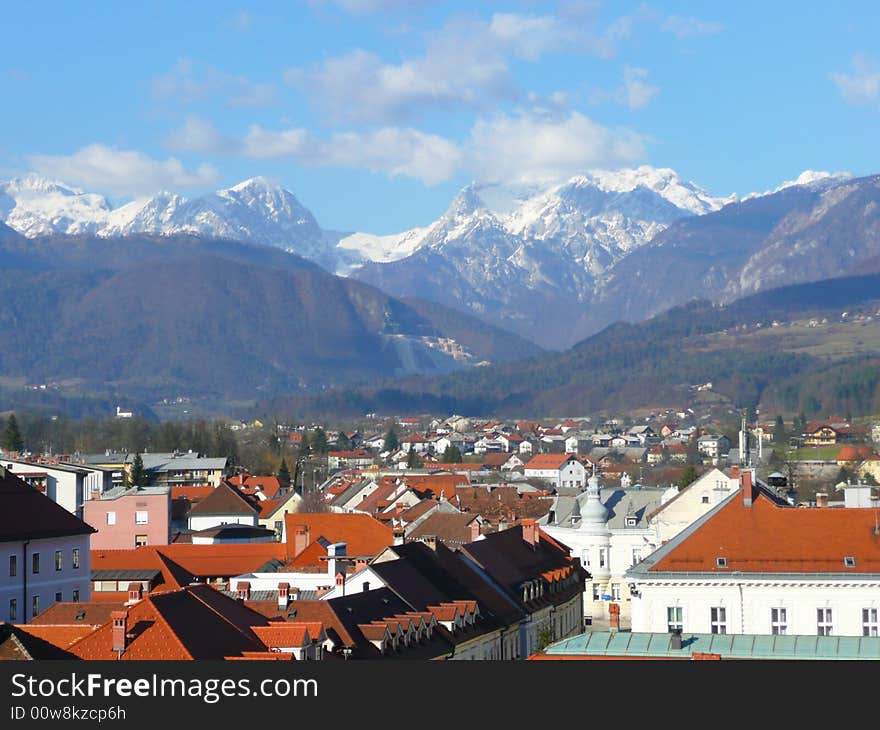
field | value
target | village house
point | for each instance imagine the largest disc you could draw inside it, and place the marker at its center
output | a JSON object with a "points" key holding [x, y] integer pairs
{"points": [[713, 446], [560, 470], [62, 483], [129, 517]]}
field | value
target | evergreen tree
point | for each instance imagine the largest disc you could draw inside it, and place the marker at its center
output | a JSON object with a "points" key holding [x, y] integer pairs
{"points": [[319, 441], [779, 430], [12, 440], [689, 476], [413, 461], [392, 443], [343, 442], [283, 471], [305, 448], [138, 477], [452, 455]]}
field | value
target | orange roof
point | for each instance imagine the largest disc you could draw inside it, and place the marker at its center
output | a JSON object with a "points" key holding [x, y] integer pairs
{"points": [[854, 453], [362, 534], [765, 538], [191, 494], [61, 636], [453, 467], [278, 635], [433, 484], [197, 560], [548, 461], [269, 485]]}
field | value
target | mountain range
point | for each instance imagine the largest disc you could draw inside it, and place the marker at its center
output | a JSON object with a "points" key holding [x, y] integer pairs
{"points": [[552, 264]]}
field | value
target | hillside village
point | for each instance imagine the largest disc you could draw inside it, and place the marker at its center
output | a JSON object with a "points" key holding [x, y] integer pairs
{"points": [[449, 538]]}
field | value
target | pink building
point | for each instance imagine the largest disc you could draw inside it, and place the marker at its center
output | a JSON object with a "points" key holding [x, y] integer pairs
{"points": [[125, 518]]}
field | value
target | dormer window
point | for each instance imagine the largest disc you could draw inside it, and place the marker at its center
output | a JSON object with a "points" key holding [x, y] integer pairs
{"points": [[720, 562], [630, 521], [849, 561]]}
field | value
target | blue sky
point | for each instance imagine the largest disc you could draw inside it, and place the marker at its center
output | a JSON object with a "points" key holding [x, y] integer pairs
{"points": [[375, 112]]}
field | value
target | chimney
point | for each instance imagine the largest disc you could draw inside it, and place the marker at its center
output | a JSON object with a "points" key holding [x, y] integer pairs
{"points": [[360, 563], [821, 499], [734, 472], [283, 595], [120, 629], [244, 590], [614, 616], [294, 594], [675, 639], [135, 592], [300, 539], [530, 531], [475, 529], [340, 579], [747, 487]]}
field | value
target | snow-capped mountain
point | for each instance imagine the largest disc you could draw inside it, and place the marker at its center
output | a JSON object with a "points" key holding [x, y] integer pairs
{"points": [[255, 211]]}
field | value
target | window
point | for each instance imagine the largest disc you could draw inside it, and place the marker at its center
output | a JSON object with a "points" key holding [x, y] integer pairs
{"points": [[603, 557], [58, 560], [586, 558], [674, 615], [615, 591], [140, 540], [849, 561], [35, 606], [140, 517], [111, 518], [718, 620], [637, 555], [13, 610], [824, 623], [35, 563], [778, 621], [869, 622], [75, 596], [75, 561], [721, 562], [13, 565], [705, 499], [596, 593], [58, 597]]}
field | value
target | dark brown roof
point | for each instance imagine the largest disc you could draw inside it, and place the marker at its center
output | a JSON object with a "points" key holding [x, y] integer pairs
{"points": [[27, 513], [16, 643], [225, 500], [450, 527]]}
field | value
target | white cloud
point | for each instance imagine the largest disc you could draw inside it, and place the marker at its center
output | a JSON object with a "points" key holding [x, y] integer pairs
{"points": [[122, 172], [198, 135], [535, 148], [862, 86], [465, 64], [392, 151], [186, 83], [265, 144], [686, 27], [634, 92]]}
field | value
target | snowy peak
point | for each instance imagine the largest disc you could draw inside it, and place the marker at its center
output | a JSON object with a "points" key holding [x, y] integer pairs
{"points": [[37, 206], [811, 179]]}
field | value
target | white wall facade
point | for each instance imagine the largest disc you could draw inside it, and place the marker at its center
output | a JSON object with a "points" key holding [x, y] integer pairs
{"points": [[48, 581], [63, 486], [748, 603], [692, 503]]}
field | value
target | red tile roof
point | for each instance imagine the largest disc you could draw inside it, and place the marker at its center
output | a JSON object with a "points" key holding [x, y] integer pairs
{"points": [[278, 635], [766, 538], [60, 636], [362, 534], [548, 461]]}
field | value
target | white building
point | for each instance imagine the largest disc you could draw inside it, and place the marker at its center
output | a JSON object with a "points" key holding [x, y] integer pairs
{"points": [[755, 565], [561, 470], [44, 552], [62, 483]]}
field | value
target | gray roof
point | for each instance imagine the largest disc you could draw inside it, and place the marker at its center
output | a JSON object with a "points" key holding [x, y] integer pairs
{"points": [[39, 466], [159, 461], [273, 595], [133, 574], [728, 646], [118, 492], [634, 501]]}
